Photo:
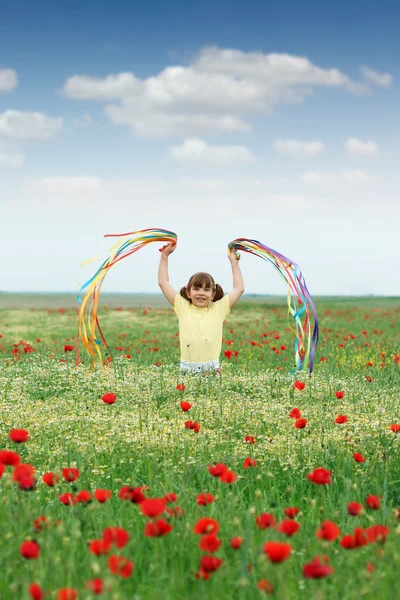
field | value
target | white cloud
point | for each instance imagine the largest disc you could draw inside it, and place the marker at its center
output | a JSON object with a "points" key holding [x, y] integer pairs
{"points": [[84, 121], [379, 79], [10, 159], [297, 148], [198, 151], [340, 178], [29, 125], [358, 148], [8, 80], [213, 94]]}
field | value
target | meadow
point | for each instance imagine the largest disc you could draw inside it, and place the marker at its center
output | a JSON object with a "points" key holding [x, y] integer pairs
{"points": [[127, 482]]}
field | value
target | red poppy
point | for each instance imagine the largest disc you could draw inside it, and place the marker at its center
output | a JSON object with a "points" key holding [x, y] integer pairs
{"points": [[171, 498], [30, 549], [355, 509], [265, 586], [289, 527], [152, 507], [228, 476], [249, 462], [19, 435], [299, 385], [300, 423], [370, 567], [369, 378], [228, 354], [320, 476], [157, 528], [68, 348], [39, 523], [35, 591], [373, 502], [328, 531], [70, 474], [209, 543], [206, 525], [358, 457], [109, 398], [204, 499], [295, 413], [9, 458], [96, 586], [341, 419], [265, 521], [217, 470], [67, 499], [236, 542], [102, 495], [209, 564], [395, 428], [291, 512], [316, 570], [277, 551], [134, 494], [181, 387], [377, 533], [84, 496], [99, 547], [118, 565], [249, 439], [193, 425], [117, 536], [348, 542], [50, 479], [23, 471], [185, 406], [339, 395], [67, 594]]}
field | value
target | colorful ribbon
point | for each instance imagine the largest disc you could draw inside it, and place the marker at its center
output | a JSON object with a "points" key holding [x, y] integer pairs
{"points": [[299, 299], [88, 321]]}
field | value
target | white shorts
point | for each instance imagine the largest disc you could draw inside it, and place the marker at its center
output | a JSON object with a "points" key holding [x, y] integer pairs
{"points": [[199, 367]]}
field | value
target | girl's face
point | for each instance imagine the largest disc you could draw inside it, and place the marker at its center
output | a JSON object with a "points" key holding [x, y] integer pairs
{"points": [[201, 297]]}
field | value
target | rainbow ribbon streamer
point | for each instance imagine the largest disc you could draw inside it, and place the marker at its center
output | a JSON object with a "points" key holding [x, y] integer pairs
{"points": [[299, 299], [88, 322]]}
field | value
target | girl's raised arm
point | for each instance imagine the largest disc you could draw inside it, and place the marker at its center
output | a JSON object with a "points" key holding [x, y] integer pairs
{"points": [[163, 279], [238, 285]]}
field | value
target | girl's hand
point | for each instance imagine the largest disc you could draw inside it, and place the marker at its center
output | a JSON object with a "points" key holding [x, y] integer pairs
{"points": [[168, 249], [233, 256]]}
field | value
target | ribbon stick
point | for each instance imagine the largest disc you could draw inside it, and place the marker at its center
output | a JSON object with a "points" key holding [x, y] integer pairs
{"points": [[300, 303], [89, 330]]}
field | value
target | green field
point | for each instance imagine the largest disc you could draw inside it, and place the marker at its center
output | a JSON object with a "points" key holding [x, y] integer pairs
{"points": [[141, 440]]}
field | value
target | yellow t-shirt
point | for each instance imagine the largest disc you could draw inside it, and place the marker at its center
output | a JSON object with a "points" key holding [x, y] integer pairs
{"points": [[200, 329]]}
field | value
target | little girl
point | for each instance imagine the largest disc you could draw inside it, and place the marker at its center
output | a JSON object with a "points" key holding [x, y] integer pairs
{"points": [[201, 308]]}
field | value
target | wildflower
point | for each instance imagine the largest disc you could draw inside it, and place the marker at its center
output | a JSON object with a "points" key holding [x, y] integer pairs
{"points": [[329, 531], [339, 395], [291, 512], [135, 494], [341, 419], [209, 564], [249, 439], [109, 398], [373, 502], [70, 474], [265, 586], [68, 348], [185, 406], [277, 551], [22, 471], [9, 458], [265, 521], [300, 423], [157, 528], [152, 507], [249, 462], [355, 509], [67, 594], [289, 527], [102, 495], [295, 413], [83, 497], [117, 536], [95, 586], [193, 425], [206, 525], [118, 565], [30, 550], [320, 476], [299, 385], [395, 427], [50, 479], [35, 591], [19, 435], [204, 499], [315, 569], [171, 498], [217, 470], [348, 542], [369, 378], [209, 543], [228, 476], [236, 542], [228, 354], [67, 499], [39, 523], [99, 547], [358, 457], [181, 387]]}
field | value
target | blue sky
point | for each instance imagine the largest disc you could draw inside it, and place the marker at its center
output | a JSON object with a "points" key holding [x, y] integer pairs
{"points": [[218, 149]]}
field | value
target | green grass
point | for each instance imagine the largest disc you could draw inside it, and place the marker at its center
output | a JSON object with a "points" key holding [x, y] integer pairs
{"points": [[141, 440]]}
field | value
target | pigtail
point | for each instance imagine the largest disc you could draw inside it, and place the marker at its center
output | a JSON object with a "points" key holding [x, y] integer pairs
{"points": [[219, 292], [183, 293]]}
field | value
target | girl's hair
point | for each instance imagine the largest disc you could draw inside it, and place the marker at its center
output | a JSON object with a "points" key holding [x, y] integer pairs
{"points": [[202, 280]]}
